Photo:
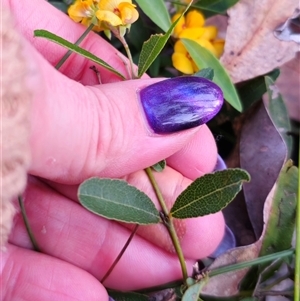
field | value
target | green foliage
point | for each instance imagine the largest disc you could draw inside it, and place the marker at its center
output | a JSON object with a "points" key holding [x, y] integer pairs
{"points": [[160, 166], [214, 7], [193, 292], [127, 296], [152, 48], [209, 194], [279, 113], [207, 73], [60, 41], [204, 59], [281, 224], [253, 90], [157, 12], [117, 200]]}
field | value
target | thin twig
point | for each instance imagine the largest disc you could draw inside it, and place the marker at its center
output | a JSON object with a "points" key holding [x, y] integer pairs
{"points": [[120, 254], [27, 225], [69, 52]]}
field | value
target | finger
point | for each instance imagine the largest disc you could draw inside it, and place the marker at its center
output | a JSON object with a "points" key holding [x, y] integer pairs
{"points": [[199, 237], [197, 157], [78, 132], [76, 67], [67, 231], [32, 276]]}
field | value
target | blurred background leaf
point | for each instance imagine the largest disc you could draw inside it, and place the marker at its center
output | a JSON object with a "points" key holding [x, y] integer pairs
{"points": [[157, 12], [262, 154], [279, 114]]}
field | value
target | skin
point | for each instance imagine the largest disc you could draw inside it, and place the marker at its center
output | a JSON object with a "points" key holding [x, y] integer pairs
{"points": [[81, 129]]}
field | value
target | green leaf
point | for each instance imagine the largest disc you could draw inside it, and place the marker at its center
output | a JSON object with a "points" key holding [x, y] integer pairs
{"points": [[204, 59], [117, 200], [152, 48], [210, 193], [206, 73], [60, 5], [214, 7], [160, 166], [279, 113], [127, 296], [193, 292], [157, 11], [281, 223], [60, 41], [251, 91]]}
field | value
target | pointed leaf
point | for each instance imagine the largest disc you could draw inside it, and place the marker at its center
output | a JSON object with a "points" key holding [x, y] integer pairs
{"points": [[117, 200], [62, 42], [207, 73], [193, 292], [279, 113], [152, 48], [214, 7], [160, 166], [204, 59], [281, 222], [210, 193], [157, 11]]}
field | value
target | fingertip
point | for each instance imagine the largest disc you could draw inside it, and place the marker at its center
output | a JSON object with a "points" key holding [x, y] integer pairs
{"points": [[198, 157], [203, 235], [29, 275]]}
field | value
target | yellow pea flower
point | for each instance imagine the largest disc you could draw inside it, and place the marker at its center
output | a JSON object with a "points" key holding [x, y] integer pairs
{"points": [[219, 46], [117, 12], [192, 27], [182, 61], [193, 19], [84, 11]]}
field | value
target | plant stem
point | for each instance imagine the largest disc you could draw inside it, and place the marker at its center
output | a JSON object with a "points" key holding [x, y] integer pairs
{"points": [[65, 57], [27, 225], [128, 52], [297, 246], [120, 254], [168, 222]]}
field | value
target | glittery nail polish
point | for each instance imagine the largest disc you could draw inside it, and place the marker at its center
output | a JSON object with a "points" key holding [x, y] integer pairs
{"points": [[180, 103]]}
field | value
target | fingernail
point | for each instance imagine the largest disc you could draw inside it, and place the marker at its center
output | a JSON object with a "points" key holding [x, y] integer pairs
{"points": [[180, 103]]}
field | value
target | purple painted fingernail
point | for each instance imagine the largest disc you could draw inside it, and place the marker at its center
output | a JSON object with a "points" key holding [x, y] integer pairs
{"points": [[180, 103]]}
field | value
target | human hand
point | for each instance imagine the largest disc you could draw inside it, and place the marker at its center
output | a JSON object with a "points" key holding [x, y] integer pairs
{"points": [[81, 130]]}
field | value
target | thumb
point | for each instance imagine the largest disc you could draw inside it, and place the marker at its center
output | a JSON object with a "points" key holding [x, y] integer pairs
{"points": [[113, 129]]}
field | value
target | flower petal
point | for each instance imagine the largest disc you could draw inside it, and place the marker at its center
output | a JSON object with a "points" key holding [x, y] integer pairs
{"points": [[179, 47], [80, 9], [128, 13], [182, 63], [179, 26], [210, 32], [111, 5], [219, 46], [109, 17], [192, 33], [194, 19]]}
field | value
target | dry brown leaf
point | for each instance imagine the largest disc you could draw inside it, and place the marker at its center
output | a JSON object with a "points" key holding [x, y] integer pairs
{"points": [[251, 48], [228, 284], [288, 84]]}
